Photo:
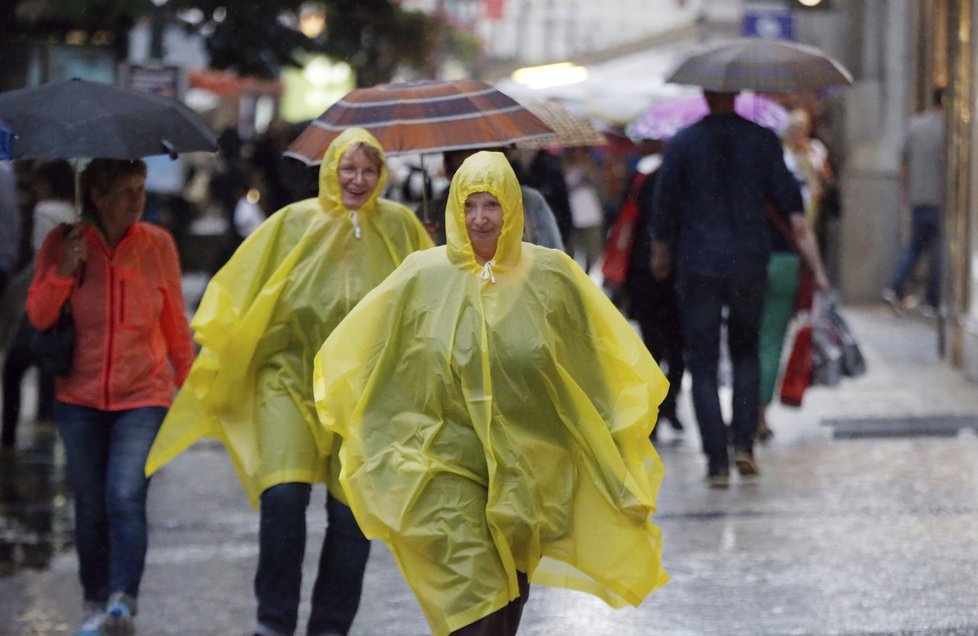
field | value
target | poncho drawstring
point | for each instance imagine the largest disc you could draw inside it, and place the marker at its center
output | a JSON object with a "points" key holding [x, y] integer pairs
{"points": [[487, 271], [356, 226]]}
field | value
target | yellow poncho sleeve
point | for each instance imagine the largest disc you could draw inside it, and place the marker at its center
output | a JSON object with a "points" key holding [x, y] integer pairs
{"points": [[490, 428]]}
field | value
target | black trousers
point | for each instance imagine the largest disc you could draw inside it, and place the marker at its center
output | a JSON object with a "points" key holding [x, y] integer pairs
{"points": [[19, 359], [504, 621]]}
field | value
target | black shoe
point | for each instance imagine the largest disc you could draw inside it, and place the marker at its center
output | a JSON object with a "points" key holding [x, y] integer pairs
{"points": [[674, 421], [718, 473], [718, 478]]}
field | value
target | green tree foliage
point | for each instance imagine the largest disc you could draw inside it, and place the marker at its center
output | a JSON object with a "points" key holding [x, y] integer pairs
{"points": [[375, 36], [253, 38]]}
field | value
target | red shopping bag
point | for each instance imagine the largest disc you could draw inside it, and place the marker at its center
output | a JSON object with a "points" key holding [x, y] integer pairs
{"points": [[621, 237], [798, 372]]}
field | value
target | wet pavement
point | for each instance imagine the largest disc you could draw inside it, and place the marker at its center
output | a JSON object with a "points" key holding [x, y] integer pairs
{"points": [[869, 535]]}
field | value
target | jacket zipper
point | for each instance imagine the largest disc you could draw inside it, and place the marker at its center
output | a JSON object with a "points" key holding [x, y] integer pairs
{"points": [[111, 335]]}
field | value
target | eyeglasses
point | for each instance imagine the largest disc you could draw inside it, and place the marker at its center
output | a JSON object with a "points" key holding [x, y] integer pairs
{"points": [[350, 172]]}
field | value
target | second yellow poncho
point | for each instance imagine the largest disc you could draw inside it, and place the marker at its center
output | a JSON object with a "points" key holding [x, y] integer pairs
{"points": [[496, 419]]}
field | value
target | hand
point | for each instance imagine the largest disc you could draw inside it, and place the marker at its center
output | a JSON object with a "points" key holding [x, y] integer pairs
{"points": [[75, 251], [660, 263], [820, 281]]}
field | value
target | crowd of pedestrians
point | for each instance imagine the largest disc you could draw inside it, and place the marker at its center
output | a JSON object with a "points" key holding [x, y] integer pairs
{"points": [[420, 361]]}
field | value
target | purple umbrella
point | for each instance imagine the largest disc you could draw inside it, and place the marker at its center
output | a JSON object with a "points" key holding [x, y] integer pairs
{"points": [[665, 119]]}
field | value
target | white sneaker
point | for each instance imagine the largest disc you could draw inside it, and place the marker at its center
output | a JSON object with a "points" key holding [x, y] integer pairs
{"points": [[927, 311], [94, 622], [893, 300]]}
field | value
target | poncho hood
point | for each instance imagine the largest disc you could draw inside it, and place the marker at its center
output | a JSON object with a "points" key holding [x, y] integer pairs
{"points": [[485, 172], [329, 183]]}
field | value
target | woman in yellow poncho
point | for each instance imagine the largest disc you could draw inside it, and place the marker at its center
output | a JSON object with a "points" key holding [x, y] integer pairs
{"points": [[260, 323], [495, 411]]}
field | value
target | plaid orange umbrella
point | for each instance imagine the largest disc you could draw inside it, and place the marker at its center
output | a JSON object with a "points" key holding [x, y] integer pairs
{"points": [[420, 117], [570, 129]]}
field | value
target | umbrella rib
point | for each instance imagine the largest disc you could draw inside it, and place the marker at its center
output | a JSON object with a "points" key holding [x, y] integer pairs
{"points": [[427, 121], [419, 100]]}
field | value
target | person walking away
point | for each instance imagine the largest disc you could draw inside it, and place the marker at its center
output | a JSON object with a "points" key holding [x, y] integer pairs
{"points": [[923, 168], [653, 303], [781, 301], [54, 189], [260, 323], [524, 357], [121, 278], [708, 221], [540, 227]]}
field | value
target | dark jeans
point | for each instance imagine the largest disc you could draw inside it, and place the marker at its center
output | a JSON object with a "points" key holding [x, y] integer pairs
{"points": [[504, 621], [655, 308], [282, 543], [924, 235], [106, 453], [703, 299], [19, 359]]}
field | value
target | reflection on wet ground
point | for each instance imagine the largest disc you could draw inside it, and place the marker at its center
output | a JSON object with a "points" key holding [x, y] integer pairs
{"points": [[35, 515]]}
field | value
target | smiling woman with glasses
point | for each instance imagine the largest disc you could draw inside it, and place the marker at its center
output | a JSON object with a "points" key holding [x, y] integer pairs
{"points": [[260, 323]]}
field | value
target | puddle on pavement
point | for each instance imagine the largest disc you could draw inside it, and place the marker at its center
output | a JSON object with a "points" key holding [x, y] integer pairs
{"points": [[35, 515]]}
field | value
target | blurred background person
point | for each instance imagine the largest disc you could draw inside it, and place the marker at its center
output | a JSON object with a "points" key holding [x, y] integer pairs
{"points": [[709, 225], [923, 169], [54, 190], [121, 278], [808, 160], [260, 323], [542, 171], [651, 302], [587, 212]]}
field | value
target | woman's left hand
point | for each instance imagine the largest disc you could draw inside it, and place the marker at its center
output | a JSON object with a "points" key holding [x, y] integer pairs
{"points": [[75, 251]]}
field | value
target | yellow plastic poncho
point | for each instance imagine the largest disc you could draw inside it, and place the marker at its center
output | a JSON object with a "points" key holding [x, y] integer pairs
{"points": [[496, 419], [264, 316]]}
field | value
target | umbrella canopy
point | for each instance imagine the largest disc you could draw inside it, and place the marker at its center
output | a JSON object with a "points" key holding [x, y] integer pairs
{"points": [[665, 119], [570, 129], [80, 119], [760, 65], [425, 116]]}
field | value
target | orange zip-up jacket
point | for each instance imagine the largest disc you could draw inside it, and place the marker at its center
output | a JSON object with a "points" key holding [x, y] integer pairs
{"points": [[132, 340]]}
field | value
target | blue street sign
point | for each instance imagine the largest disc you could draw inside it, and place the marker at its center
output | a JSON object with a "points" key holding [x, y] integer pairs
{"points": [[771, 24]]}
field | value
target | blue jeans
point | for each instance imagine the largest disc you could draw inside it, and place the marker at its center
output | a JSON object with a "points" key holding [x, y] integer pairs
{"points": [[106, 452], [282, 543], [702, 299], [924, 235]]}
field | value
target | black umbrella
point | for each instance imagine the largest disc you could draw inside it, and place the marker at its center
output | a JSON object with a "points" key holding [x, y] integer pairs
{"points": [[760, 65], [81, 119]]}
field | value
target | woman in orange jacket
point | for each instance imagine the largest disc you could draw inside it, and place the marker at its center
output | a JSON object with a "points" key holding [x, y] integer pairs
{"points": [[121, 280]]}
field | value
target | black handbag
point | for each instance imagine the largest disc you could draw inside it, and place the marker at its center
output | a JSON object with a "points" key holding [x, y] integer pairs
{"points": [[54, 348]]}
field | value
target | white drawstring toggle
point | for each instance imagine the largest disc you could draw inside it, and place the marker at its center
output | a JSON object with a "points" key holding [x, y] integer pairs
{"points": [[356, 226], [487, 271]]}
